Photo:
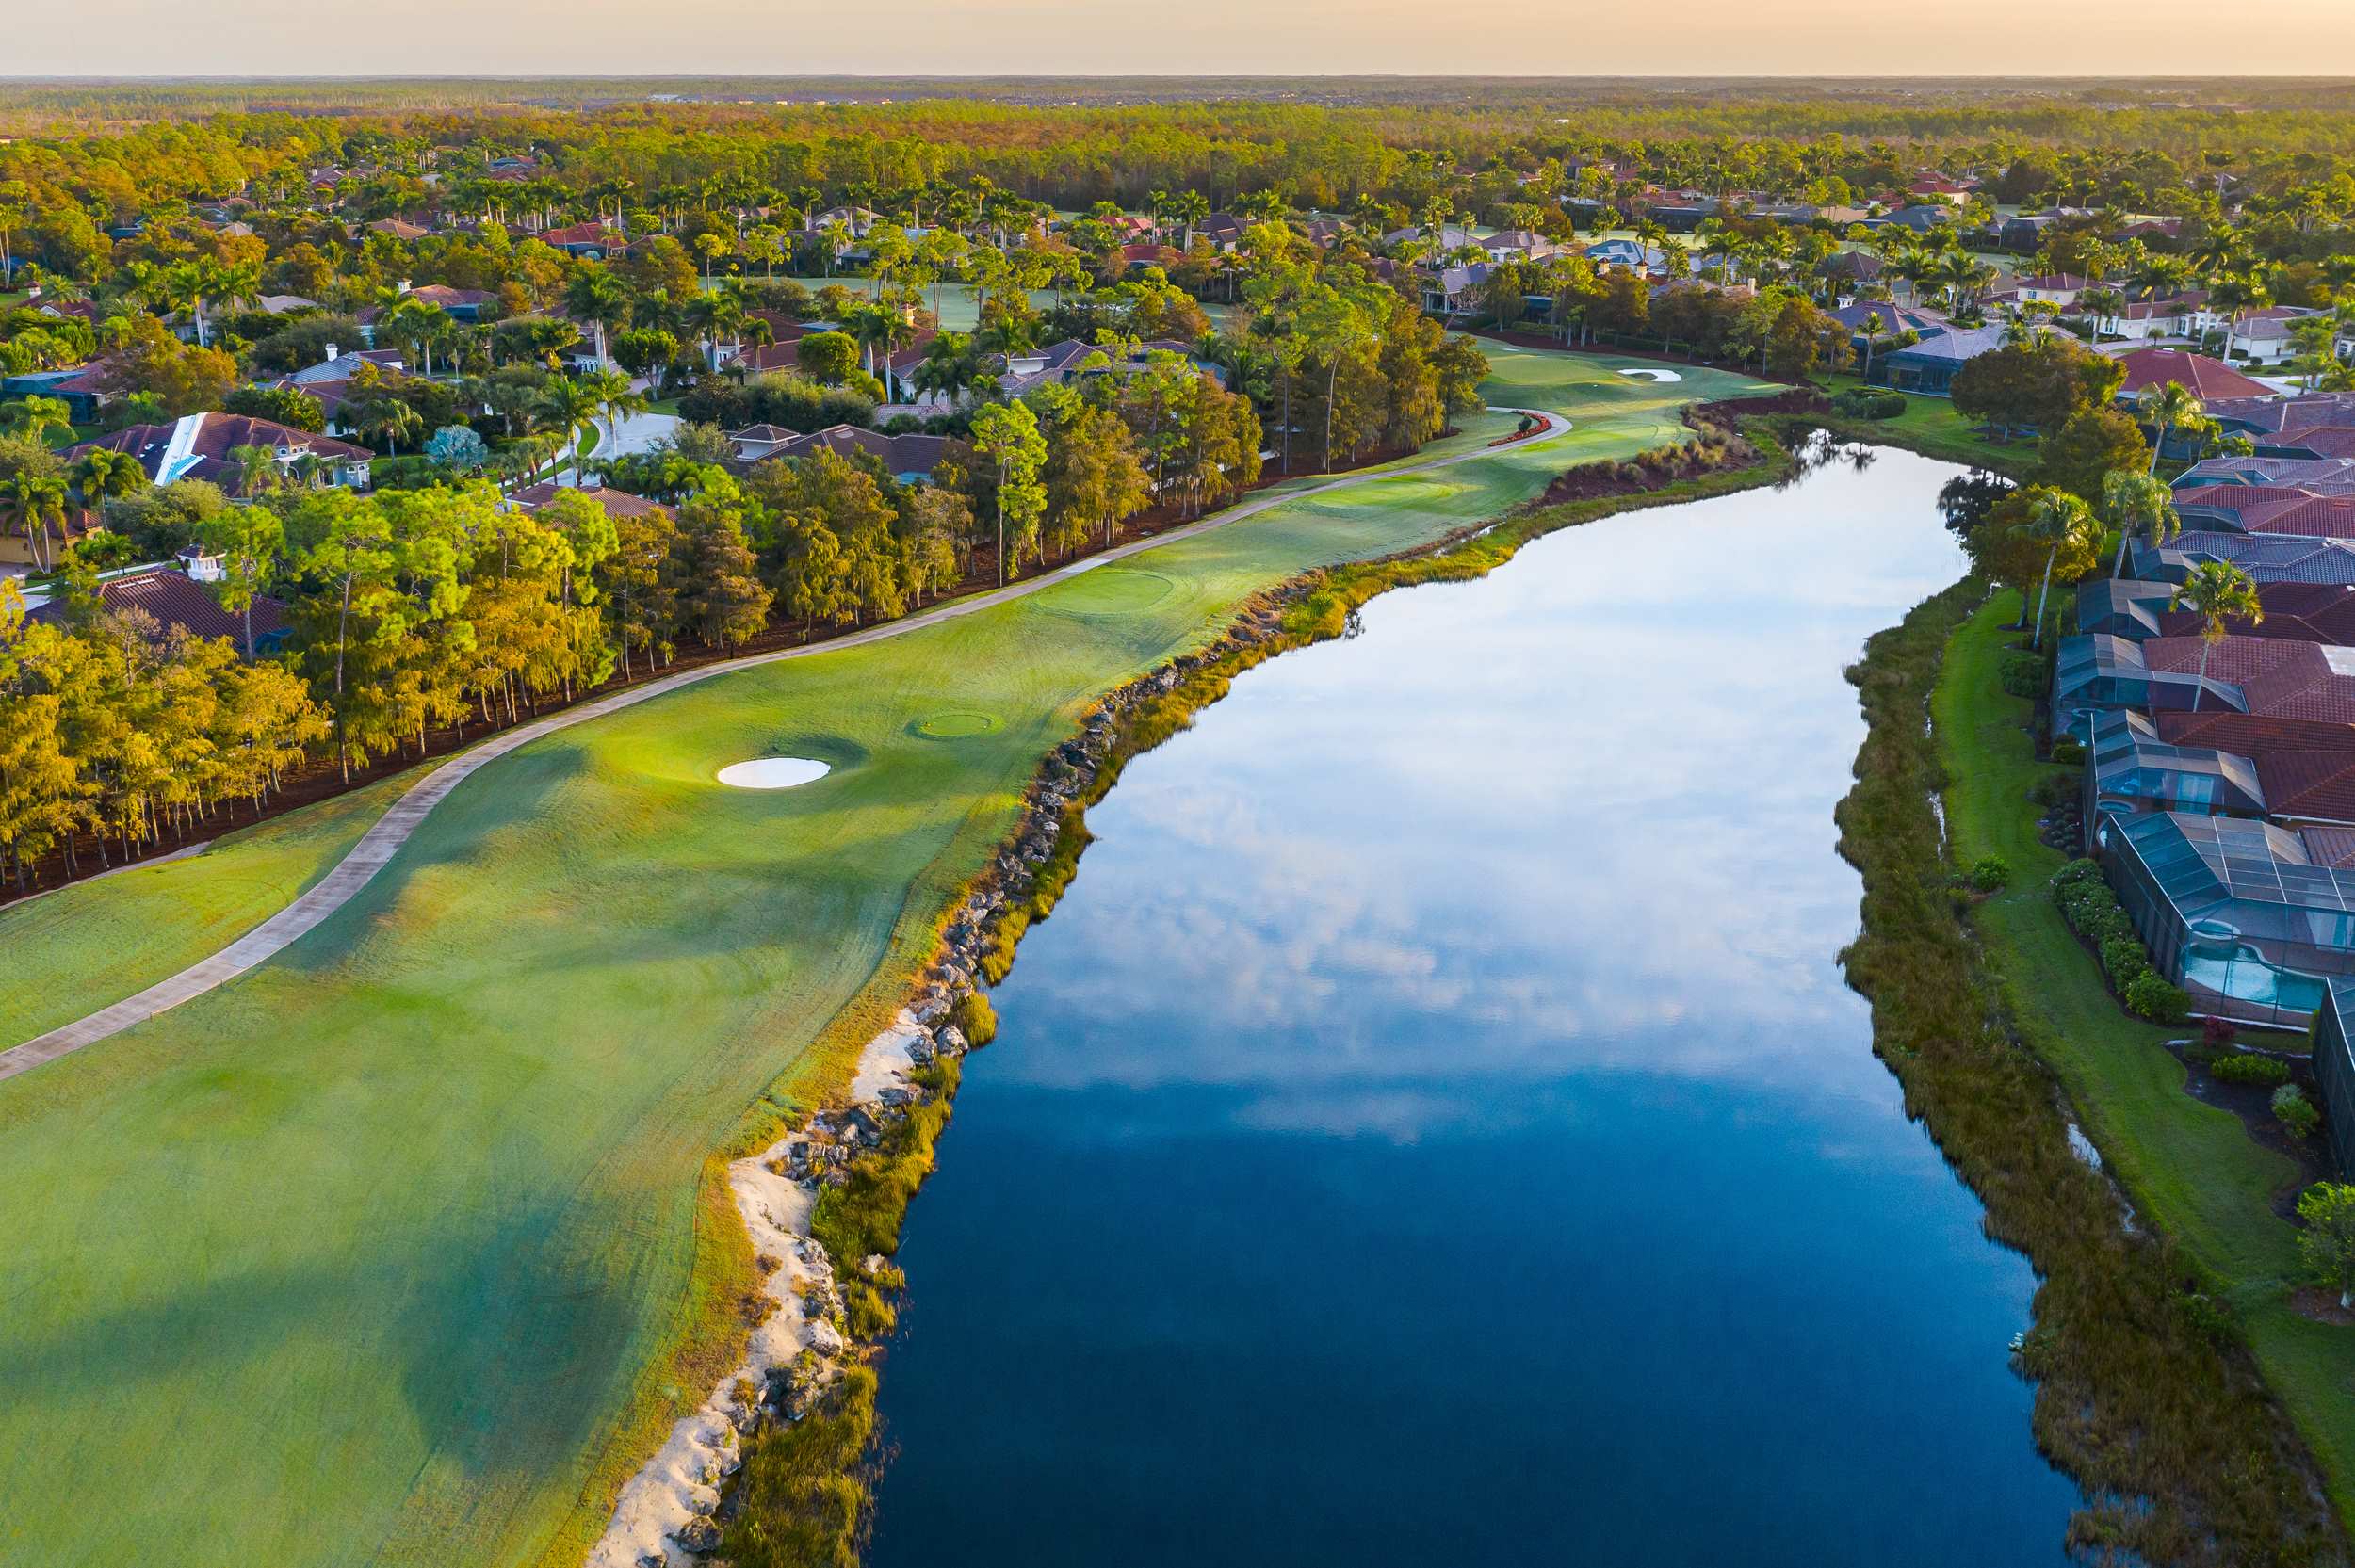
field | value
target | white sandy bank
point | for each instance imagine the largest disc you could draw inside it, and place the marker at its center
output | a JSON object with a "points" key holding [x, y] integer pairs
{"points": [[665, 1507]]}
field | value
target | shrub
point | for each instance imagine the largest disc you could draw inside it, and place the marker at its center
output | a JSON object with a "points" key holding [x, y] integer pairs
{"points": [[2022, 673], [2068, 751], [2295, 1112], [2124, 962], [1989, 873], [975, 1018], [2250, 1067], [2054, 789], [2217, 1032], [1868, 403], [2150, 996]]}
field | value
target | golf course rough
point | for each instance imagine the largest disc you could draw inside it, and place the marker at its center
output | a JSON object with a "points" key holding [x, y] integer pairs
{"points": [[374, 1255]]}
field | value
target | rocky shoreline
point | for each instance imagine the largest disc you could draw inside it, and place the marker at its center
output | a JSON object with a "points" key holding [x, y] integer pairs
{"points": [[676, 1509]]}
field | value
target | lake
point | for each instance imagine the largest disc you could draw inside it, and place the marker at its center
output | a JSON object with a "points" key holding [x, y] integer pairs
{"points": [[1435, 1128]]}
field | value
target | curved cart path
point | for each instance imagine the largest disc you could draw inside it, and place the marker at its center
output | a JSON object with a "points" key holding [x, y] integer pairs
{"points": [[391, 830]]}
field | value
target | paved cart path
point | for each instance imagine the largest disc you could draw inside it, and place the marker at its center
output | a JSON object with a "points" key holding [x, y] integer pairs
{"points": [[391, 830]]}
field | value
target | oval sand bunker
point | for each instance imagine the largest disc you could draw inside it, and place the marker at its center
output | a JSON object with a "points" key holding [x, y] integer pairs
{"points": [[1647, 373], [772, 772]]}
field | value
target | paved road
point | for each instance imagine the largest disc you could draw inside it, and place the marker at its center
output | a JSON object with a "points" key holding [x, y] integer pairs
{"points": [[380, 842], [635, 433]]}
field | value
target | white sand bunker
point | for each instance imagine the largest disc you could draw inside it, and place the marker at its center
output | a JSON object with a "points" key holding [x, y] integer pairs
{"points": [[773, 772], [1648, 373]]}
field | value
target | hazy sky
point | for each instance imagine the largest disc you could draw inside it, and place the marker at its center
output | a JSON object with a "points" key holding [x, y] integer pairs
{"points": [[1175, 37]]}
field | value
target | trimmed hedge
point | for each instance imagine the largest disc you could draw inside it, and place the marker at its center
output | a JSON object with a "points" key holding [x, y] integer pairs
{"points": [[2022, 673], [2094, 913], [1868, 403], [2249, 1067]]}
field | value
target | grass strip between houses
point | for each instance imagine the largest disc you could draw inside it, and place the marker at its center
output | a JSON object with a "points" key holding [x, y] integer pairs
{"points": [[2146, 1393]]}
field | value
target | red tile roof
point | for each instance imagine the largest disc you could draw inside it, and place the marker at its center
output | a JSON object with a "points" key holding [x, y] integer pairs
{"points": [[2205, 377], [2278, 677], [217, 435], [617, 502], [176, 600], [2299, 613]]}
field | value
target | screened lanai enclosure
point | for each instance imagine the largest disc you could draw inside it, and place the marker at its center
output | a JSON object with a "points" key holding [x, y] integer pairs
{"points": [[2132, 771], [2251, 918]]}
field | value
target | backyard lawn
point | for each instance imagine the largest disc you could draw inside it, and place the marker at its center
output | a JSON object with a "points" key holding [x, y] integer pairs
{"points": [[1931, 427], [2189, 1166], [369, 1256]]}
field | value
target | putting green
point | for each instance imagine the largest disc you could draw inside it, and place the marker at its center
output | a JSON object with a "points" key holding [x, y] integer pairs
{"points": [[372, 1254], [957, 725]]}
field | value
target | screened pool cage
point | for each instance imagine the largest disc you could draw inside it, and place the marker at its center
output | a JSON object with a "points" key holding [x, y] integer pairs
{"points": [[2236, 912]]}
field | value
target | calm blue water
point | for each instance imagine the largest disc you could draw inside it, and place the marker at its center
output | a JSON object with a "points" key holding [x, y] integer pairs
{"points": [[1435, 1128]]}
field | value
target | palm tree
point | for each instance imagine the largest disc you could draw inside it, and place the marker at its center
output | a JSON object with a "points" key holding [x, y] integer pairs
{"points": [[2063, 522], [2099, 302], [1873, 326], [616, 399], [2136, 504], [2216, 592], [1189, 208], [2168, 408], [102, 472], [36, 503], [393, 419], [571, 405], [598, 296], [34, 417], [257, 469], [712, 317], [2238, 293]]}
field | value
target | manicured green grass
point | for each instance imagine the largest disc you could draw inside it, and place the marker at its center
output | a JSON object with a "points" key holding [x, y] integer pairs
{"points": [[82, 946], [379, 1254], [2193, 1169], [1931, 427]]}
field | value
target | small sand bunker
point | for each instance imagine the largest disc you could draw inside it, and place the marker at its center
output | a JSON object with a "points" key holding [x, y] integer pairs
{"points": [[772, 772], [1651, 373]]}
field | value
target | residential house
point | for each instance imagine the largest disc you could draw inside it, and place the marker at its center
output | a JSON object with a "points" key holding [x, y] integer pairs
{"points": [[755, 442], [1930, 366], [2251, 918], [909, 459], [617, 502], [2176, 316], [2208, 380], [2277, 509], [2318, 475], [2058, 289], [2261, 337], [83, 389], [464, 304], [197, 447], [2130, 769], [587, 241], [330, 380], [1632, 254], [2277, 677], [1920, 217], [2266, 558], [175, 601]]}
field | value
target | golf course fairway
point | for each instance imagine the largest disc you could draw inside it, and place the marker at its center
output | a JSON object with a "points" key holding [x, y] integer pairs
{"points": [[379, 1254]]}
